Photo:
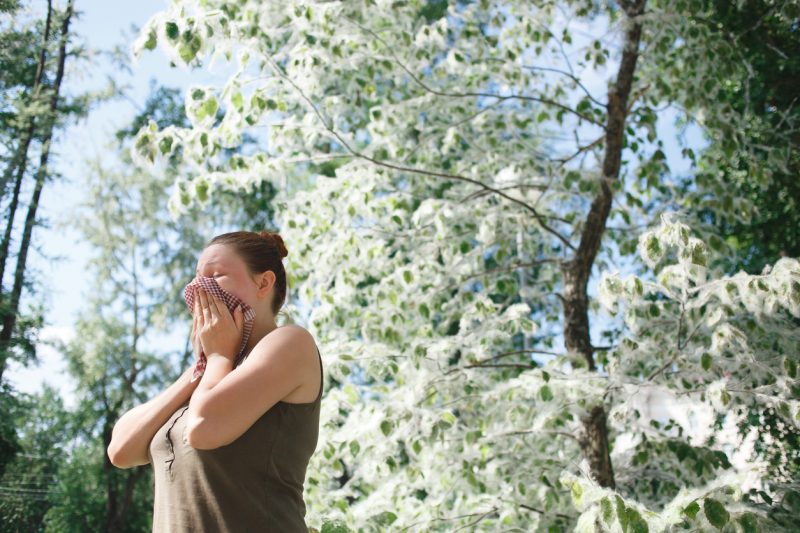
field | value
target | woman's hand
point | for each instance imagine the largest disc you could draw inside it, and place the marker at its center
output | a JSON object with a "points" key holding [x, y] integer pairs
{"points": [[219, 332], [197, 346]]}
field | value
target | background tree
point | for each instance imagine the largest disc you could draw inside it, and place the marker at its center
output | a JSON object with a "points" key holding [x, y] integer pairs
{"points": [[448, 242], [29, 485], [33, 62], [11, 301], [762, 32]]}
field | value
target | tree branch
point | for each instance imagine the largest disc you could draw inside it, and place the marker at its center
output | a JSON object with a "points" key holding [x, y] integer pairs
{"points": [[458, 177]]}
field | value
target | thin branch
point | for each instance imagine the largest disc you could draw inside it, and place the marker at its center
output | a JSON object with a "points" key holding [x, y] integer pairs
{"points": [[473, 94], [494, 365], [564, 160], [347, 146], [537, 432], [573, 78], [487, 513]]}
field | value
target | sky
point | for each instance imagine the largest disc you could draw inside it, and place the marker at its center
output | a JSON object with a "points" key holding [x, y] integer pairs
{"points": [[103, 25]]}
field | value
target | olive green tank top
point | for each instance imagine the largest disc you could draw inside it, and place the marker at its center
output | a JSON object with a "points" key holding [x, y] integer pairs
{"points": [[253, 484]]}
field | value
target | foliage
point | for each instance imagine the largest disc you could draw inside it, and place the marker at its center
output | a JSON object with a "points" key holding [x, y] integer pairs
{"points": [[764, 34], [430, 246], [28, 488]]}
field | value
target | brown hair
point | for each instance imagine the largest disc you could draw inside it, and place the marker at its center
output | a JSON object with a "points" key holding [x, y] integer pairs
{"points": [[260, 251]]}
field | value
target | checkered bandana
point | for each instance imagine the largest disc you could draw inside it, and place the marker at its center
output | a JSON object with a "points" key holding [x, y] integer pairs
{"points": [[212, 287]]}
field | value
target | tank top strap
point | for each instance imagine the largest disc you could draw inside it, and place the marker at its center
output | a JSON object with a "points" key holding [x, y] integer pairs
{"points": [[321, 377]]}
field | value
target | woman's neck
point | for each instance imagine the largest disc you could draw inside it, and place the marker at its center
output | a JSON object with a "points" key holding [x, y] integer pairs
{"points": [[262, 325]]}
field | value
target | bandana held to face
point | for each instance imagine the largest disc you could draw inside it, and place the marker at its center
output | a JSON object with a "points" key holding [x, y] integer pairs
{"points": [[231, 302]]}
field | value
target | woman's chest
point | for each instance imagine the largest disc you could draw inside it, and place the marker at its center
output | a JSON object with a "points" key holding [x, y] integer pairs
{"points": [[171, 452]]}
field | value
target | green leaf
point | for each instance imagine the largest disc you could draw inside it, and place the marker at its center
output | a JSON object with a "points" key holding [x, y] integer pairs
{"points": [[705, 360], [384, 518], [636, 524], [691, 510], [606, 510], [172, 30], [715, 512], [577, 491], [237, 101], [791, 367], [407, 276], [210, 107], [621, 514], [152, 40], [725, 396], [165, 145], [749, 523], [201, 188], [354, 447], [424, 311], [335, 526], [350, 393], [653, 247], [188, 51], [545, 393], [386, 427], [792, 499], [699, 255]]}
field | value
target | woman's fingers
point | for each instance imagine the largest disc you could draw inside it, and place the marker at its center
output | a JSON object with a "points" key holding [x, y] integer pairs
{"points": [[205, 306], [212, 305], [198, 311]]}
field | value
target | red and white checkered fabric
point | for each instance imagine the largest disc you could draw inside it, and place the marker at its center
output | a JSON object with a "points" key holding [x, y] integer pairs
{"points": [[211, 286]]}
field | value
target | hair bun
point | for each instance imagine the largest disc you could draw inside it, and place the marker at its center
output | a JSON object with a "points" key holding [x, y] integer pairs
{"points": [[277, 240]]}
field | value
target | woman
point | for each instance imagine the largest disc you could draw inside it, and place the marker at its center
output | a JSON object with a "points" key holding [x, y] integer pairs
{"points": [[229, 450]]}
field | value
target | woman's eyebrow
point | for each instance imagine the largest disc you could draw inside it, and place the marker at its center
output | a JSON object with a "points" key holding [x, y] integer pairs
{"points": [[197, 270]]}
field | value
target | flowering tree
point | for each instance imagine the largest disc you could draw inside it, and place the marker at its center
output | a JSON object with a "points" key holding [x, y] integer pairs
{"points": [[448, 173]]}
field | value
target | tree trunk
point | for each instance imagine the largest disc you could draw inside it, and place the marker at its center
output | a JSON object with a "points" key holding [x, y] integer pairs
{"points": [[118, 502], [10, 318], [19, 161], [118, 499], [594, 439]]}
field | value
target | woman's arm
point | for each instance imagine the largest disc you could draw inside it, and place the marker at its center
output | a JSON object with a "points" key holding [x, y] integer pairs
{"points": [[133, 432], [228, 403]]}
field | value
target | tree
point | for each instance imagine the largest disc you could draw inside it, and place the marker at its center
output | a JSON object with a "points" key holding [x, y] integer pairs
{"points": [[33, 110], [761, 33], [29, 485], [448, 237], [10, 313]]}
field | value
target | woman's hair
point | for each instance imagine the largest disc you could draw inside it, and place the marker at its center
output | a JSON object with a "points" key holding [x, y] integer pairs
{"points": [[260, 251]]}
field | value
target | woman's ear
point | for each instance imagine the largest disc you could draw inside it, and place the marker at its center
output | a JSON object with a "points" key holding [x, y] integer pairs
{"points": [[265, 281]]}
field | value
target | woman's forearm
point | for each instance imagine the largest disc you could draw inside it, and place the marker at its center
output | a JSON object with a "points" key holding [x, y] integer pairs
{"points": [[216, 369], [134, 430]]}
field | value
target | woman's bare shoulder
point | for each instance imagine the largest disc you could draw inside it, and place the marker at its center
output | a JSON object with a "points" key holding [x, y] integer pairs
{"points": [[298, 329], [297, 335]]}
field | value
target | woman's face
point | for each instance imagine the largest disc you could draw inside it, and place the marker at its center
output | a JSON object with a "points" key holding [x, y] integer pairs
{"points": [[222, 263]]}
